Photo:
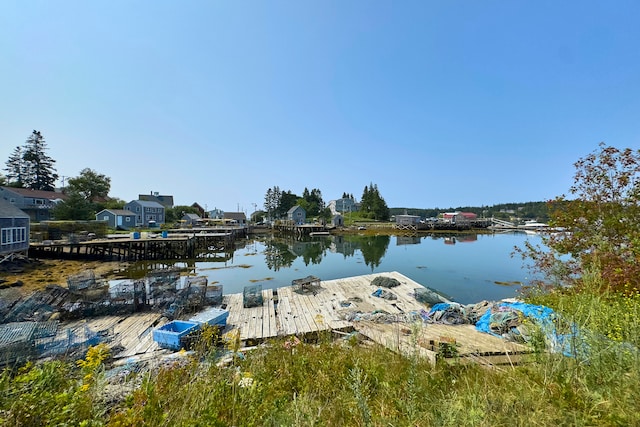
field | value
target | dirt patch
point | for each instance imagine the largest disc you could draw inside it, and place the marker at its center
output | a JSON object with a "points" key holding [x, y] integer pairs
{"points": [[31, 275]]}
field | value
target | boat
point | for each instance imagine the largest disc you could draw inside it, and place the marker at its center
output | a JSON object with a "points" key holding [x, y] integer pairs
{"points": [[319, 233], [532, 225]]}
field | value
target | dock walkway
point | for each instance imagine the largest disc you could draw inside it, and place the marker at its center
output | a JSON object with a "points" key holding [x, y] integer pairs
{"points": [[342, 306], [348, 304]]}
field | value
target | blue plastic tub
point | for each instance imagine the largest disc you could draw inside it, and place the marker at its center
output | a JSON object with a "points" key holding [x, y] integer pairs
{"points": [[168, 336]]}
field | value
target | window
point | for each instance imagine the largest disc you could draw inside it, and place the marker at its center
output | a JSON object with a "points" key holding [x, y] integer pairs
{"points": [[105, 218], [127, 219], [14, 235]]}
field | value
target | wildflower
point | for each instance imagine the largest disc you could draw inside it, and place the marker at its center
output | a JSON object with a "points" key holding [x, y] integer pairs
{"points": [[245, 382], [291, 343]]}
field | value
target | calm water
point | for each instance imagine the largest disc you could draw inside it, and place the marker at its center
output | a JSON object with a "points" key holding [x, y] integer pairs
{"points": [[465, 267]]}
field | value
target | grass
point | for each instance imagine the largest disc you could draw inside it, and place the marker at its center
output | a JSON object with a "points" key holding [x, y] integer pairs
{"points": [[345, 382]]}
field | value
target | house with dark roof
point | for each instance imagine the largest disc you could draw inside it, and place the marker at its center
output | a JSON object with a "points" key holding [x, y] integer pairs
{"points": [[200, 209], [117, 218], [148, 214], [166, 201], [37, 204], [14, 231], [236, 218], [191, 219]]}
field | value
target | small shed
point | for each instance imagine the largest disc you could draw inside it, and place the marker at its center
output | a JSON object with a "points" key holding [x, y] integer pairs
{"points": [[238, 218], [337, 221], [191, 219], [14, 230], [117, 218], [407, 219], [297, 214]]}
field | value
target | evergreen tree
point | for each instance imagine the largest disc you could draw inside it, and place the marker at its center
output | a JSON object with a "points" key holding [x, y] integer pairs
{"points": [[286, 202], [41, 174], [373, 205], [15, 168], [272, 201], [312, 202]]}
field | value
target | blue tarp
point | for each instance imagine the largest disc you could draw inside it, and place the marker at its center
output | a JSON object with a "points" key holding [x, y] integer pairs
{"points": [[505, 313]]}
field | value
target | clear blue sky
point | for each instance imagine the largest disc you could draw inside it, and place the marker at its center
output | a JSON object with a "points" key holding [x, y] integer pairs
{"points": [[438, 103]]}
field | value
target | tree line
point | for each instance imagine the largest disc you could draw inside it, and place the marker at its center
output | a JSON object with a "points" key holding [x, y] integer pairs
{"points": [[278, 202], [506, 211]]}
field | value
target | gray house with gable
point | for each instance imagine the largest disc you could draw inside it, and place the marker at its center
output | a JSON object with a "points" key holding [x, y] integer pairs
{"points": [[37, 204], [148, 214], [297, 214], [14, 231], [117, 218]]}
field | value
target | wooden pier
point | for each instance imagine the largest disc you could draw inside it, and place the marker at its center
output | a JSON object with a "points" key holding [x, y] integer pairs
{"points": [[287, 226], [339, 306], [175, 246], [347, 304]]}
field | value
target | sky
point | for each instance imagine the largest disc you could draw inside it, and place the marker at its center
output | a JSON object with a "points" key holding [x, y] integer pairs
{"points": [[438, 103]]}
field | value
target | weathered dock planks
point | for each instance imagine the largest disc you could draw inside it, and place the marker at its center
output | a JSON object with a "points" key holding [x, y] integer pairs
{"points": [[336, 305], [130, 334], [348, 304]]}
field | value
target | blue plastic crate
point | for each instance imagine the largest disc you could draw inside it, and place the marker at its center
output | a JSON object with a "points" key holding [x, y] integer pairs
{"points": [[168, 336]]}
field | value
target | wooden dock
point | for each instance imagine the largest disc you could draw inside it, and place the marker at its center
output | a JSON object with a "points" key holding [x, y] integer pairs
{"points": [[341, 306], [128, 335], [175, 246], [348, 304]]}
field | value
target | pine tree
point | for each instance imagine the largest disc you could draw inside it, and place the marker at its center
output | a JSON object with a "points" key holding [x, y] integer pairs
{"points": [[272, 201], [16, 168], [373, 204], [41, 173]]}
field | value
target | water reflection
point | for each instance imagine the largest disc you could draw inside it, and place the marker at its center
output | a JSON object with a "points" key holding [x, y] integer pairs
{"points": [[460, 238], [280, 253], [469, 272]]}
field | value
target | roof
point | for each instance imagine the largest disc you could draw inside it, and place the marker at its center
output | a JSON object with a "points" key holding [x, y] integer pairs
{"points": [[118, 212], [8, 210], [295, 208], [147, 204], [38, 194], [162, 199], [235, 215], [191, 216]]}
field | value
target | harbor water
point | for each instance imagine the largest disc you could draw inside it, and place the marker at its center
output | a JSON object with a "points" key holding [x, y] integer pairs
{"points": [[466, 267]]}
